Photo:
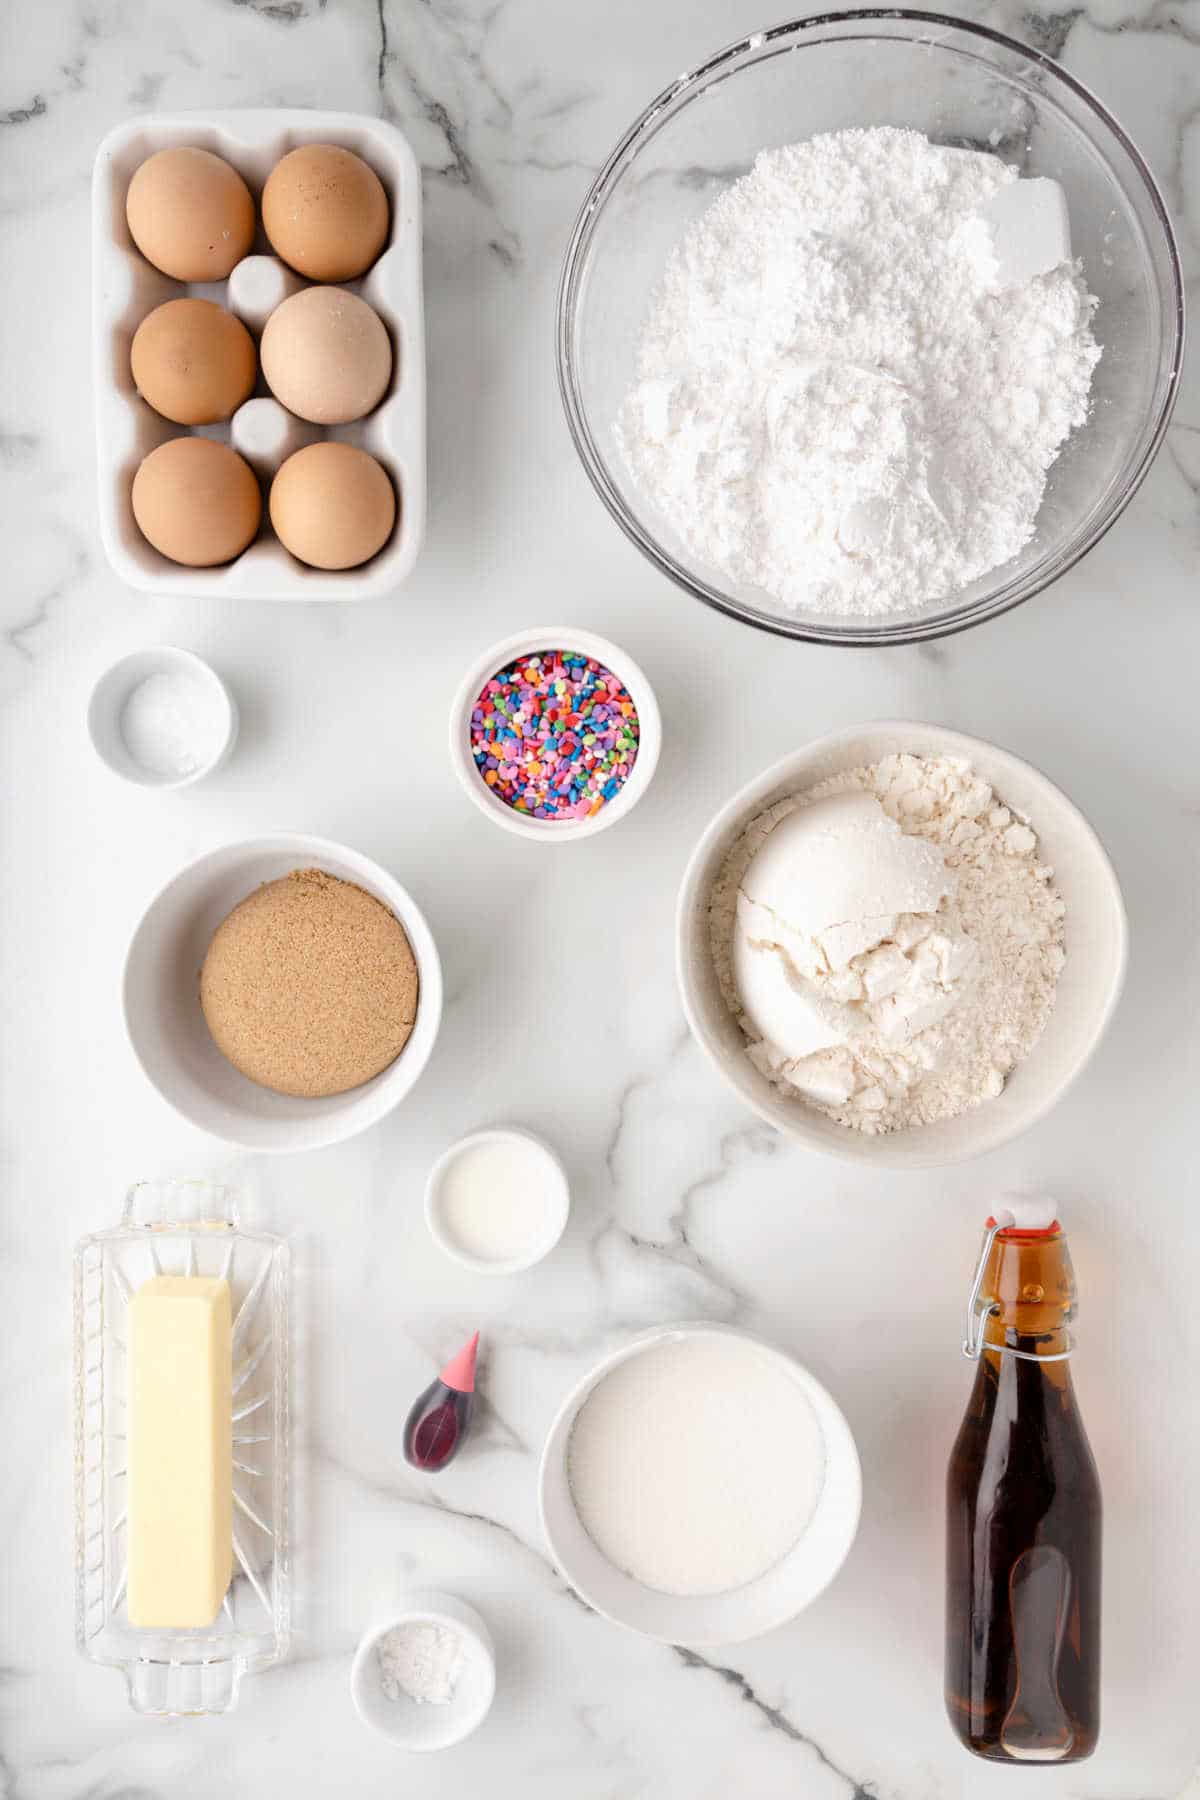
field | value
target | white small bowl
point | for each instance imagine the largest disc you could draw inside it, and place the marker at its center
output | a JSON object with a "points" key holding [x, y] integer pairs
{"points": [[556, 1217], [1088, 989], [113, 690], [704, 1620], [166, 1028], [555, 637], [427, 1726]]}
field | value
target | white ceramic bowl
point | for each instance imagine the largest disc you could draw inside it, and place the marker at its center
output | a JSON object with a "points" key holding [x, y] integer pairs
{"points": [[427, 1726], [166, 1027], [113, 690], [1088, 989], [555, 637], [558, 1207], [704, 1620], [125, 288]]}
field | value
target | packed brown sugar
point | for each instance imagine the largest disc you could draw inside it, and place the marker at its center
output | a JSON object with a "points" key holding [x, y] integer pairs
{"points": [[310, 986]]}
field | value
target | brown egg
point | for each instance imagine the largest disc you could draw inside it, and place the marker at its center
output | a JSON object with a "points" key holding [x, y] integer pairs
{"points": [[326, 355], [193, 362], [325, 212], [190, 214], [196, 501], [332, 506]]}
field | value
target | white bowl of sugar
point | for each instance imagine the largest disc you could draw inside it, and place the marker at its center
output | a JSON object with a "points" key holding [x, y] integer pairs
{"points": [[699, 1486]]}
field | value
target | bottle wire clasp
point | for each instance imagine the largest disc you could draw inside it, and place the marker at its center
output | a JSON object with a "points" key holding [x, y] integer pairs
{"points": [[980, 1309]]}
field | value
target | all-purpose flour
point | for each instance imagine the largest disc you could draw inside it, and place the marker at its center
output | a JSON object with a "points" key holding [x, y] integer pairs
{"points": [[838, 402], [1004, 908]]}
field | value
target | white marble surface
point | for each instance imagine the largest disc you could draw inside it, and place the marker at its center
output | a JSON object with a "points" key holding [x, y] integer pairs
{"points": [[562, 1010]]}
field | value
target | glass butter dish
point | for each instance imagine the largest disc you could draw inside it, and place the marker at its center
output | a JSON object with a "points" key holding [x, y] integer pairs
{"points": [[183, 1228]]}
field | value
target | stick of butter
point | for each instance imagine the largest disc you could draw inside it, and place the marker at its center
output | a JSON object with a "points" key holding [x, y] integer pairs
{"points": [[180, 1451]]}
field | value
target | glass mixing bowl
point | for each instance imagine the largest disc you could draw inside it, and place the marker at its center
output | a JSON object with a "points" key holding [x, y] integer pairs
{"points": [[960, 84]]}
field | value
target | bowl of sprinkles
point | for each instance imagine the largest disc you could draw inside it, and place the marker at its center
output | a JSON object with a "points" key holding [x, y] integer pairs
{"points": [[555, 733]]}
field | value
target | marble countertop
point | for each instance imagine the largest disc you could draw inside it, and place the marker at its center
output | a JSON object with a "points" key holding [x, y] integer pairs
{"points": [[684, 1206]]}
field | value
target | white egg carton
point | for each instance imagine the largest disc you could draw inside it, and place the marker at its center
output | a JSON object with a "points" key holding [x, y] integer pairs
{"points": [[125, 288]]}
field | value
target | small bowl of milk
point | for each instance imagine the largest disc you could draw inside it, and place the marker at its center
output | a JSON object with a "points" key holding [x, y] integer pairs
{"points": [[497, 1201]]}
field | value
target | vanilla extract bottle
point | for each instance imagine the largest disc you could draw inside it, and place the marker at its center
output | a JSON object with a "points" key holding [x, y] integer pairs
{"points": [[1023, 1517]]}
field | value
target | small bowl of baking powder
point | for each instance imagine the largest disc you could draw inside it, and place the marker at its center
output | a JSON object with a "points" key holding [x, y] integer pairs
{"points": [[162, 718], [424, 1676]]}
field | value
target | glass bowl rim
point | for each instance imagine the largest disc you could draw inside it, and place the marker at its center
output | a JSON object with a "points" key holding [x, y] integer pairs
{"points": [[906, 630]]}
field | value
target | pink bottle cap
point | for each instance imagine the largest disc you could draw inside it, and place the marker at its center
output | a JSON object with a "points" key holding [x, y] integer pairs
{"points": [[459, 1372]]}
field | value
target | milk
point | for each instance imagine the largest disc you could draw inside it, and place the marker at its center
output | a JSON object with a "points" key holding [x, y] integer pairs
{"points": [[499, 1199]]}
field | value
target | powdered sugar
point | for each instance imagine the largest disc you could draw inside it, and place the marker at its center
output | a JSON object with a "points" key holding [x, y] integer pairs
{"points": [[977, 977], [837, 402]]}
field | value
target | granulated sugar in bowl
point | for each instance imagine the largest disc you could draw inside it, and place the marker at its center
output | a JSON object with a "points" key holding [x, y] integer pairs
{"points": [[654, 1453]]}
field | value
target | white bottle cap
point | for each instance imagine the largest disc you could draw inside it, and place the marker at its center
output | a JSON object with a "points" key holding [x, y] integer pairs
{"points": [[1030, 1213]]}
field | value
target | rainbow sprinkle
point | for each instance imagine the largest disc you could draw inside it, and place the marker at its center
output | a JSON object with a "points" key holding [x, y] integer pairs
{"points": [[554, 735]]}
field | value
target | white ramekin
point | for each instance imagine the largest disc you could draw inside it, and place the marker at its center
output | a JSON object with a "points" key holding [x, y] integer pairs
{"points": [[556, 1218], [427, 1726], [555, 637], [113, 690]]}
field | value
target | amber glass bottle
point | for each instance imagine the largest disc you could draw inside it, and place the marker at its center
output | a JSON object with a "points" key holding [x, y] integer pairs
{"points": [[1023, 1519]]}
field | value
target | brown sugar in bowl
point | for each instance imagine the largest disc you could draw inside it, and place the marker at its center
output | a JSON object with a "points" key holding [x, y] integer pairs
{"points": [[165, 1023], [310, 986]]}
